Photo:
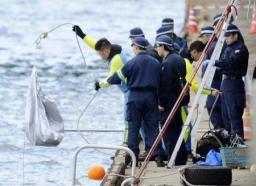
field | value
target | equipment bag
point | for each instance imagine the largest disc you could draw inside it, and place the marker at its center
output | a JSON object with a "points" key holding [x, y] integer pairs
{"points": [[44, 124]]}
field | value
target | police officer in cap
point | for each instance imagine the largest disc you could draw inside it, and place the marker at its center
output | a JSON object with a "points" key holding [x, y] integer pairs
{"points": [[206, 33], [173, 73], [137, 32], [213, 106], [233, 63], [142, 74], [167, 28]]}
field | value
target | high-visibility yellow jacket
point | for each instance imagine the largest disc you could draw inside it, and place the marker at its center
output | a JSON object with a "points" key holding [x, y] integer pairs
{"points": [[115, 63], [194, 87], [194, 83]]}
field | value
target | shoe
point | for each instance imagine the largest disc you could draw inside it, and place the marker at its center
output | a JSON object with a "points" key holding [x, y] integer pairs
{"points": [[159, 162], [143, 156], [128, 161], [190, 156]]}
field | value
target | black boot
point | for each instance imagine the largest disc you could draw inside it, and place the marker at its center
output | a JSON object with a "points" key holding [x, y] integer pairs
{"points": [[159, 161]]}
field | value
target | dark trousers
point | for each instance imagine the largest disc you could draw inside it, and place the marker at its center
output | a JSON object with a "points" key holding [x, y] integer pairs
{"points": [[172, 134], [233, 108], [142, 105], [233, 98]]}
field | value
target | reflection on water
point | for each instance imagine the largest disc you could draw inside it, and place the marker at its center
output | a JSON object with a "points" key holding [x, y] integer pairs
{"points": [[64, 77]]}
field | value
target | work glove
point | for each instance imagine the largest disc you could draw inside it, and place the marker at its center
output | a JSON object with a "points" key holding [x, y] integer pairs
{"points": [[79, 31], [96, 85]]}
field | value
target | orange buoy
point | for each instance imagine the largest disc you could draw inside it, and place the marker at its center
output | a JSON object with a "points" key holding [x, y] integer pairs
{"points": [[96, 172]]}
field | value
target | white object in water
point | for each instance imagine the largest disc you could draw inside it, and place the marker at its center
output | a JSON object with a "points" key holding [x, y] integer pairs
{"points": [[44, 124]]}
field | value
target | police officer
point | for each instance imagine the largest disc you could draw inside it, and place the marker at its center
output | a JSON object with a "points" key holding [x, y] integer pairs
{"points": [[216, 19], [115, 58], [213, 106], [167, 28], [233, 64], [142, 74], [206, 33], [173, 71], [137, 32]]}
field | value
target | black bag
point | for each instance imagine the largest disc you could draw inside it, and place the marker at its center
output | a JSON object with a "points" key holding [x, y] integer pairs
{"points": [[212, 139]]}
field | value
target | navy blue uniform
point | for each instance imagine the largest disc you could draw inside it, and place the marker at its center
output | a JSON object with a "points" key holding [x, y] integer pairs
{"points": [[173, 67], [143, 77], [216, 115], [182, 43], [233, 64]]}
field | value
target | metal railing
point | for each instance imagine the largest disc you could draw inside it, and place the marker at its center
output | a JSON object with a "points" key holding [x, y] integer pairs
{"points": [[97, 146]]}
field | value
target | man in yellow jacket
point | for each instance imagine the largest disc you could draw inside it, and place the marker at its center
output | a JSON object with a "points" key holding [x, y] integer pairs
{"points": [[115, 58], [196, 49]]}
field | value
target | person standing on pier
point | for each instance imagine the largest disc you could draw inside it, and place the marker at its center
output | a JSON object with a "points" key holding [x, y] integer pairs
{"points": [[142, 74], [233, 64], [173, 74]]}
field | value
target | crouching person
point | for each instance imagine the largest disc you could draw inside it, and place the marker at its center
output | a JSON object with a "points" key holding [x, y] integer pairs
{"points": [[172, 71]]}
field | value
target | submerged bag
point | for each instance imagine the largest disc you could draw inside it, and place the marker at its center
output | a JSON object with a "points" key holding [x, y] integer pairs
{"points": [[44, 124]]}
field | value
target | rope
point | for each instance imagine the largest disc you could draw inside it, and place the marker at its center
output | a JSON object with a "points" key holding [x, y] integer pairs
{"points": [[144, 178], [81, 114], [182, 176], [44, 35], [213, 106]]}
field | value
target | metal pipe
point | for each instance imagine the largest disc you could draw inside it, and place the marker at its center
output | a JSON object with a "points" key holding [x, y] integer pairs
{"points": [[97, 146], [127, 180]]}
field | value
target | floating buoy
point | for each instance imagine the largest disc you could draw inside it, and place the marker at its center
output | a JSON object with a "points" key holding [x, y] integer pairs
{"points": [[96, 172]]}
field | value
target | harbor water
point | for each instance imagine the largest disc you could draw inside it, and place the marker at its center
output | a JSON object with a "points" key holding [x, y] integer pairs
{"points": [[64, 76]]}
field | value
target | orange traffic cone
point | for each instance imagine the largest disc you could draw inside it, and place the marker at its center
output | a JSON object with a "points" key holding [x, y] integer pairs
{"points": [[247, 123], [253, 25], [192, 21]]}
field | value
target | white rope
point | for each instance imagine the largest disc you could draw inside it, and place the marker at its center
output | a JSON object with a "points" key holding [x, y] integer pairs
{"points": [[80, 116], [144, 178], [44, 35]]}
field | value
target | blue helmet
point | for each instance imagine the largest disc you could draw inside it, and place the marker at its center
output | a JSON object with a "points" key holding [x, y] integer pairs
{"points": [[141, 42], [206, 30], [163, 30], [166, 41], [232, 29], [168, 22], [136, 32], [216, 19]]}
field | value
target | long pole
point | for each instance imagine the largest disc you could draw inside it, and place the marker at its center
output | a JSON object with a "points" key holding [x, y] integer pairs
{"points": [[207, 79]]}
